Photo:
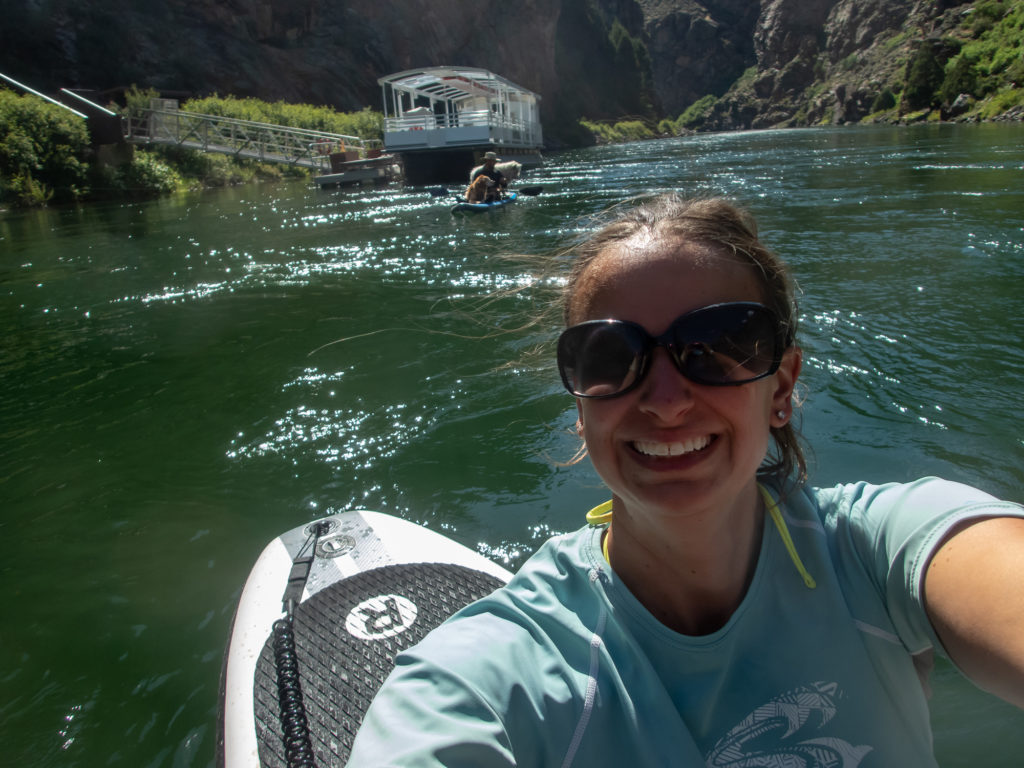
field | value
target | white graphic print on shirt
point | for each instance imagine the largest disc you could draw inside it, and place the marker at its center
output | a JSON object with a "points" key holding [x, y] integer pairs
{"points": [[757, 741]]}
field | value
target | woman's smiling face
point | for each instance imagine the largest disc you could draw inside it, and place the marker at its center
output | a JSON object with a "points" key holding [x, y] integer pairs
{"points": [[671, 445]]}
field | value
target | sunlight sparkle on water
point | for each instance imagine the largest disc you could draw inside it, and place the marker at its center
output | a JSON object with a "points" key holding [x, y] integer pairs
{"points": [[200, 291], [361, 438], [314, 376]]}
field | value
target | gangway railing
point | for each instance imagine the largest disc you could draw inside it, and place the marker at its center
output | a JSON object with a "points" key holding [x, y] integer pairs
{"points": [[245, 138]]}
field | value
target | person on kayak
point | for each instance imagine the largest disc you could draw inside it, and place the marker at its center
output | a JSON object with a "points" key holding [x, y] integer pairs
{"points": [[496, 190], [718, 610]]}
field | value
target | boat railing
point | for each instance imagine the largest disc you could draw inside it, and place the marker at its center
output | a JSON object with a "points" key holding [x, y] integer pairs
{"points": [[524, 131]]}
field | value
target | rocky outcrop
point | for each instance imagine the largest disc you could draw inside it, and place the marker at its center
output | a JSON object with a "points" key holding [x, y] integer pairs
{"points": [[827, 61], [854, 25], [790, 30], [697, 49]]}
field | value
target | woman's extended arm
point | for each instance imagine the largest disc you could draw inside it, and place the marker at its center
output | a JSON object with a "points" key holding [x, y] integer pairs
{"points": [[974, 596]]}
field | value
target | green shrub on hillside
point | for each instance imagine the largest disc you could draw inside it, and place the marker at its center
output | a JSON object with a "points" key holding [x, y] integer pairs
{"points": [[43, 151], [633, 130], [620, 132], [1001, 103], [139, 98], [24, 191], [603, 133], [1015, 72], [961, 77], [986, 15], [849, 63], [997, 52], [204, 169], [366, 124], [147, 175], [696, 113], [924, 76], [884, 101]]}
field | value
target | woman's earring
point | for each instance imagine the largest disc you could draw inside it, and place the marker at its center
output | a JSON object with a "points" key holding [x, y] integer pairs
{"points": [[781, 415]]}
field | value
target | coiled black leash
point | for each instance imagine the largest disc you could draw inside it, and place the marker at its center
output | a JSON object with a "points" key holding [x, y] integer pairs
{"points": [[298, 747]]}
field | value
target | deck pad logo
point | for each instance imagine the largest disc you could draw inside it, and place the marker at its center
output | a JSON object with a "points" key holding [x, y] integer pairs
{"points": [[381, 616], [335, 545]]}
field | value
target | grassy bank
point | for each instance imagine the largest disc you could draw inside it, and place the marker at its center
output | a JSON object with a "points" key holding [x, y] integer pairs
{"points": [[46, 155]]}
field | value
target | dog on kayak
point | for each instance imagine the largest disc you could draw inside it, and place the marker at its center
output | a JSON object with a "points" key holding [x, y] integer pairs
{"points": [[510, 170], [478, 191]]}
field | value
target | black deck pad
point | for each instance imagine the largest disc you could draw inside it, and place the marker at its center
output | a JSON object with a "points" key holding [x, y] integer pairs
{"points": [[346, 637]]}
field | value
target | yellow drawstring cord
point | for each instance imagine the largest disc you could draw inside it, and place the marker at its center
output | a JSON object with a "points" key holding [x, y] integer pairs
{"points": [[780, 524], [602, 514]]}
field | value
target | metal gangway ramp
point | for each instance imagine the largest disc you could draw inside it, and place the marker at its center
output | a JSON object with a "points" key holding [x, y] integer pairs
{"points": [[164, 123]]}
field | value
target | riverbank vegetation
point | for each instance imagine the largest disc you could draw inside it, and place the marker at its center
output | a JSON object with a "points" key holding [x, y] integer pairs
{"points": [[366, 124], [43, 152], [978, 74], [46, 155], [620, 131]]}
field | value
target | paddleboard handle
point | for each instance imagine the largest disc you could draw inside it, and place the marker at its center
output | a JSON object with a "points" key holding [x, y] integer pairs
{"points": [[300, 567]]}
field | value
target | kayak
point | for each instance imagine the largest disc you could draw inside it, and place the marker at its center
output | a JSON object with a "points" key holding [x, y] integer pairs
{"points": [[323, 613], [473, 207]]}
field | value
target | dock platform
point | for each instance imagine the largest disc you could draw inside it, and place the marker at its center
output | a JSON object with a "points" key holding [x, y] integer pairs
{"points": [[379, 170]]}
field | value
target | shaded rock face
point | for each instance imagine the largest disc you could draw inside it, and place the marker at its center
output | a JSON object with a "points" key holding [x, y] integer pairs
{"points": [[331, 51], [854, 25], [698, 49], [790, 29]]}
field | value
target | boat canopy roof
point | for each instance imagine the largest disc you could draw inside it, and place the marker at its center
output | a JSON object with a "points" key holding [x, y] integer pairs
{"points": [[455, 84], [448, 108]]}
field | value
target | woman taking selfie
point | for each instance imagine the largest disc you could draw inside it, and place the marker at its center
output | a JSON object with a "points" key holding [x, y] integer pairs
{"points": [[717, 611]]}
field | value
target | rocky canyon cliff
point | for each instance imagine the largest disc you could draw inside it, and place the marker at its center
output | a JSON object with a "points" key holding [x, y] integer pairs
{"points": [[765, 62]]}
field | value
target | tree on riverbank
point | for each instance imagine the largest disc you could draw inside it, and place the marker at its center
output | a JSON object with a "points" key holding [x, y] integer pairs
{"points": [[43, 151]]}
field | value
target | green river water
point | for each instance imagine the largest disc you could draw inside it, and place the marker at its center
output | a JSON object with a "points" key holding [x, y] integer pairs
{"points": [[172, 399]]}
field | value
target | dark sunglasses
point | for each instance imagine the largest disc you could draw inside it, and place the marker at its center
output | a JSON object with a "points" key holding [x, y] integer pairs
{"points": [[720, 345]]}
